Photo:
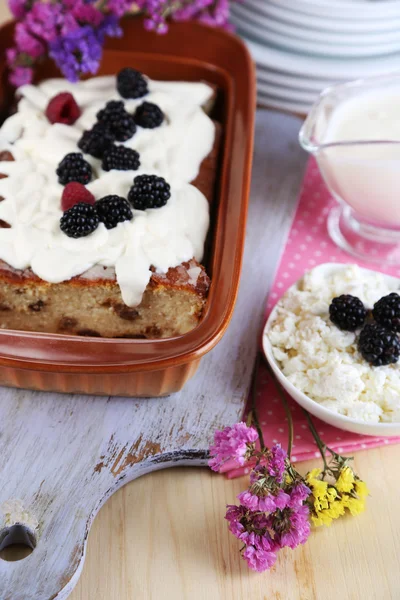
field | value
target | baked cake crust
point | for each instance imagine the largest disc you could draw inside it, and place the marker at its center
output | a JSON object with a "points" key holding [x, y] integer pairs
{"points": [[91, 304]]}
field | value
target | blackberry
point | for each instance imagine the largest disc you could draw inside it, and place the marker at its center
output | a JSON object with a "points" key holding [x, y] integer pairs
{"points": [[96, 140], [113, 210], [149, 191], [386, 311], [74, 167], [131, 83], [120, 158], [148, 115], [119, 122], [80, 220], [378, 345], [347, 312]]}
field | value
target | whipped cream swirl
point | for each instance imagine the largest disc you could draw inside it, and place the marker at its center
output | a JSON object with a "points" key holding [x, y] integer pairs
{"points": [[162, 237]]}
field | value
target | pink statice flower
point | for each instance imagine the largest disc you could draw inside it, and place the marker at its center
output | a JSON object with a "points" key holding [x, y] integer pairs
{"points": [[18, 8], [276, 465], [290, 527], [26, 42], [266, 503], [21, 76], [234, 516], [44, 20], [298, 494], [252, 529], [258, 559], [120, 7], [86, 13], [233, 443], [11, 56]]}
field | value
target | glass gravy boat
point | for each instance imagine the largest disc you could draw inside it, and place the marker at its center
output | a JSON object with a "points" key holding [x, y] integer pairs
{"points": [[362, 174]]}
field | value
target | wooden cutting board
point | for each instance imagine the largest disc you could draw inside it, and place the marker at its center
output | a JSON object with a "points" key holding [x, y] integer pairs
{"points": [[62, 456]]}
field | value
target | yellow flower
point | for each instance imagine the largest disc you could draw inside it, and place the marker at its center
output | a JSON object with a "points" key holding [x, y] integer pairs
{"points": [[361, 488], [321, 519], [354, 505], [313, 474], [317, 486], [334, 510], [345, 481], [331, 494]]}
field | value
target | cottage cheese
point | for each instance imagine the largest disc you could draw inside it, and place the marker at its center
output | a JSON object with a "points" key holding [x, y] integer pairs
{"points": [[321, 360]]}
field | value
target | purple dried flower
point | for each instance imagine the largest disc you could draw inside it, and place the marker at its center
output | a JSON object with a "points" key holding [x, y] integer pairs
{"points": [[234, 515], [249, 500], [266, 503], [298, 494], [190, 11], [276, 465], [27, 43], [258, 559], [86, 13], [68, 24], [44, 20], [11, 55], [291, 526], [78, 52], [109, 27], [233, 443], [157, 24], [250, 527], [21, 76], [119, 7], [18, 8]]}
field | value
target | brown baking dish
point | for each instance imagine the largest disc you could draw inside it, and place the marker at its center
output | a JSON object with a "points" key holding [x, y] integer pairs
{"points": [[133, 367]]}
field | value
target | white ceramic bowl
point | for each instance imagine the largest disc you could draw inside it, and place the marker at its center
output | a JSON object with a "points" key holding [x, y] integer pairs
{"points": [[332, 418]]}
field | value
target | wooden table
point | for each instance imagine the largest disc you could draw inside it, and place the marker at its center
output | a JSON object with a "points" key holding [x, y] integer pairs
{"points": [[164, 536]]}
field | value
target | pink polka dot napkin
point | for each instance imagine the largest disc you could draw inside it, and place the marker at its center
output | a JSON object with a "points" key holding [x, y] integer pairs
{"points": [[308, 245]]}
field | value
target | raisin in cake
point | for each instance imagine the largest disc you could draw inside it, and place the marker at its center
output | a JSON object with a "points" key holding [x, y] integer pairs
{"points": [[105, 190]]}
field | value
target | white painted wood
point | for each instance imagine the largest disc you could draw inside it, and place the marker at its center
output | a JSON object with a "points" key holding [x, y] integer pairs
{"points": [[62, 456]]}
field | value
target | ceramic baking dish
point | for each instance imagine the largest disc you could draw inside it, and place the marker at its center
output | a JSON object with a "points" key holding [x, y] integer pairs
{"points": [[156, 367]]}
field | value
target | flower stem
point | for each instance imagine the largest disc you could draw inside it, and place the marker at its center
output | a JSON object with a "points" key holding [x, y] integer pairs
{"points": [[321, 446], [287, 410], [254, 415]]}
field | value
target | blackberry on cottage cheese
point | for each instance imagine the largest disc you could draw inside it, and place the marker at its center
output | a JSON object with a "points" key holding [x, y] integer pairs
{"points": [[324, 361]]}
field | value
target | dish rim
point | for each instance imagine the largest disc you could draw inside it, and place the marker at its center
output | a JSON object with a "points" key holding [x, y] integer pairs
{"points": [[24, 350]]}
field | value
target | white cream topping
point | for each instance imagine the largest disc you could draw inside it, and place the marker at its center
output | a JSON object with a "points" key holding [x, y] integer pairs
{"points": [[324, 362], [162, 237]]}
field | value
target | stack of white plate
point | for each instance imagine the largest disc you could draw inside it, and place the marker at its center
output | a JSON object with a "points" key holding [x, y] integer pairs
{"points": [[301, 46]]}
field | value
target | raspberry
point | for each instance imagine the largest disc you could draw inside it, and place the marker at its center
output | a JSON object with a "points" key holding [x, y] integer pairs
{"points": [[149, 191], [113, 210], [120, 158], [117, 120], [378, 345], [63, 109], [148, 115], [131, 83], [386, 311], [96, 140], [74, 193], [74, 167], [347, 312], [79, 221]]}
